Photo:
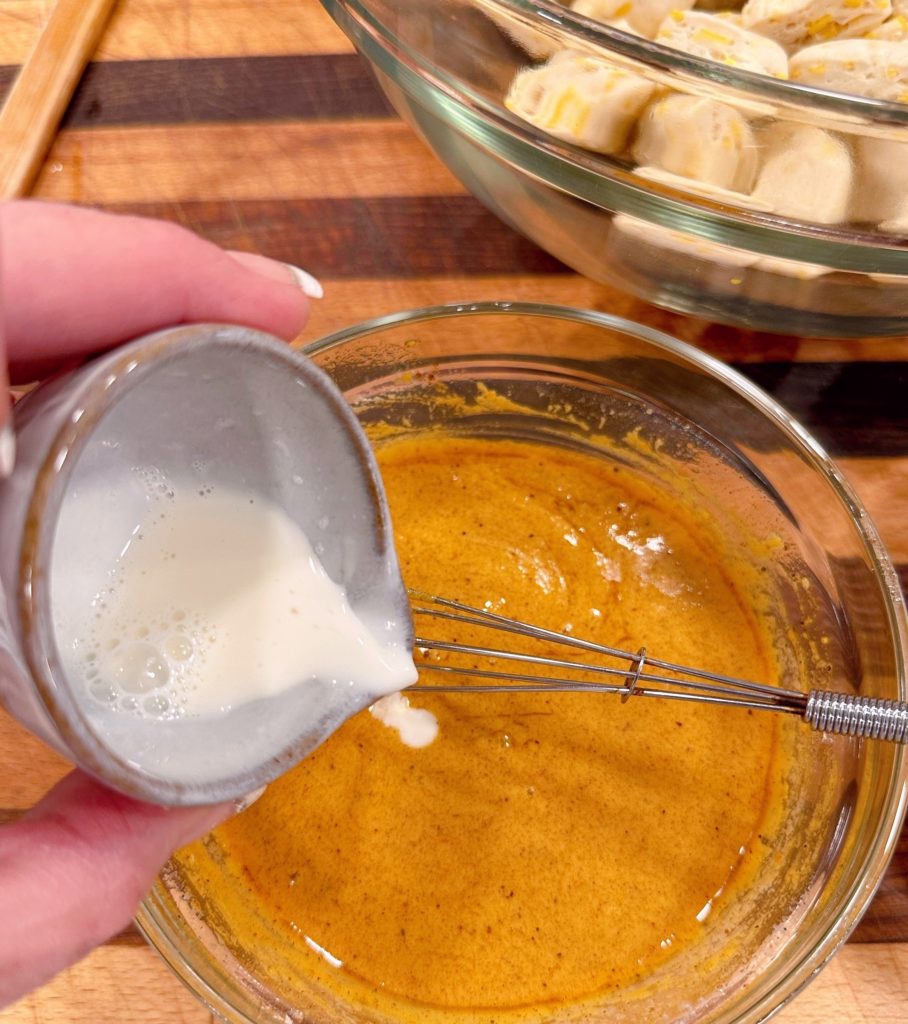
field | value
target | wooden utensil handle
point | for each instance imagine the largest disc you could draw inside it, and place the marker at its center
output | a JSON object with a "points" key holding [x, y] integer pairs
{"points": [[43, 88]]}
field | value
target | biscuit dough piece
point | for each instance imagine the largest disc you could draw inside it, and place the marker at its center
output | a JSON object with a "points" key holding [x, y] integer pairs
{"points": [[806, 173], [727, 196], [698, 138], [894, 29], [896, 226], [881, 181], [792, 268], [797, 23], [580, 99], [537, 45], [864, 67], [681, 242], [720, 39], [643, 16], [625, 26]]}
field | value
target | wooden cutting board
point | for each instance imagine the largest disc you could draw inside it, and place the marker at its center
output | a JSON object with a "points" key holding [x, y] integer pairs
{"points": [[253, 123]]}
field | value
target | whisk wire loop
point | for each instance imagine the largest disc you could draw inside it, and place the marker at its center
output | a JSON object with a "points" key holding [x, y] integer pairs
{"points": [[633, 681], [640, 676]]}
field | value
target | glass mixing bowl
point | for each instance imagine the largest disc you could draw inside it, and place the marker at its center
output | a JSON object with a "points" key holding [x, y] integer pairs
{"points": [[618, 390], [446, 66]]}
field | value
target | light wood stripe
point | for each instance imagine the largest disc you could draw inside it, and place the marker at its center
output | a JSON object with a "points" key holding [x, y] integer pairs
{"points": [[350, 301], [28, 768], [21, 22], [119, 983], [34, 106], [211, 162], [113, 985], [161, 29], [884, 919], [848, 988]]}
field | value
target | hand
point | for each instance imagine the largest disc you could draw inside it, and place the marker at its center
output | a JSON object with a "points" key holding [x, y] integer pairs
{"points": [[73, 281]]}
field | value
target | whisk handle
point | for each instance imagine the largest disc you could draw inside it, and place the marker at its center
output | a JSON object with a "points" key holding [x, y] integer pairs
{"points": [[850, 715]]}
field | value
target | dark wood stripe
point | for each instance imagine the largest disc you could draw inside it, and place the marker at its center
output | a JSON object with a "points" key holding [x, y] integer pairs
{"points": [[218, 89], [382, 237], [857, 409], [853, 408], [885, 918], [130, 936]]}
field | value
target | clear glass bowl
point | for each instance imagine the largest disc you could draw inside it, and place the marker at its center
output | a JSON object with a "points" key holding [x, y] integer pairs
{"points": [[446, 66], [622, 391]]}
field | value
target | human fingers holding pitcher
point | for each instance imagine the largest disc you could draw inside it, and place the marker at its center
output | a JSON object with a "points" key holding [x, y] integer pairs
{"points": [[74, 282]]}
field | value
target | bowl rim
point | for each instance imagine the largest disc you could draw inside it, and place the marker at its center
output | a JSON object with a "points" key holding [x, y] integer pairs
{"points": [[607, 184], [766, 999]]}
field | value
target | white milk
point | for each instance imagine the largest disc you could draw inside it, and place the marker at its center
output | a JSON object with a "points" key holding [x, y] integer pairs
{"points": [[218, 599], [417, 727]]}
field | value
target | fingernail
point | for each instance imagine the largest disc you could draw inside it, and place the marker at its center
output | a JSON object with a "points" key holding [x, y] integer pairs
{"points": [[279, 271], [7, 450], [310, 285], [245, 802]]}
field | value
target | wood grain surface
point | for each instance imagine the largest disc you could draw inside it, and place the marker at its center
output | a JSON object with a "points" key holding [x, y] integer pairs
{"points": [[43, 89], [255, 124]]}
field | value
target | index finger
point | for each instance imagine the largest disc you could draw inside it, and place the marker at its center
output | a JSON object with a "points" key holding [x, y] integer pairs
{"points": [[76, 280]]}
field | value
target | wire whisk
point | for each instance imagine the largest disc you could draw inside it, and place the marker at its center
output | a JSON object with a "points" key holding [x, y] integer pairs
{"points": [[635, 675]]}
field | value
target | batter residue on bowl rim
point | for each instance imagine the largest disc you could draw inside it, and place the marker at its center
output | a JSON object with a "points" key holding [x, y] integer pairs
{"points": [[545, 849]]}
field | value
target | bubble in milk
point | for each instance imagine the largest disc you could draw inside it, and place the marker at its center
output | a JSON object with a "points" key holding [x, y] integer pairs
{"points": [[155, 483], [137, 668], [157, 705], [179, 647], [104, 693]]}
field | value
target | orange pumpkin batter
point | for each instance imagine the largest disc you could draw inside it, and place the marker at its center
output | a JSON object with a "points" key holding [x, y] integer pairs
{"points": [[545, 848]]}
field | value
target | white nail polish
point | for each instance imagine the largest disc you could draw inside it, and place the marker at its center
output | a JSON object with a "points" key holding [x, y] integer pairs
{"points": [[310, 285], [245, 802], [7, 451]]}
